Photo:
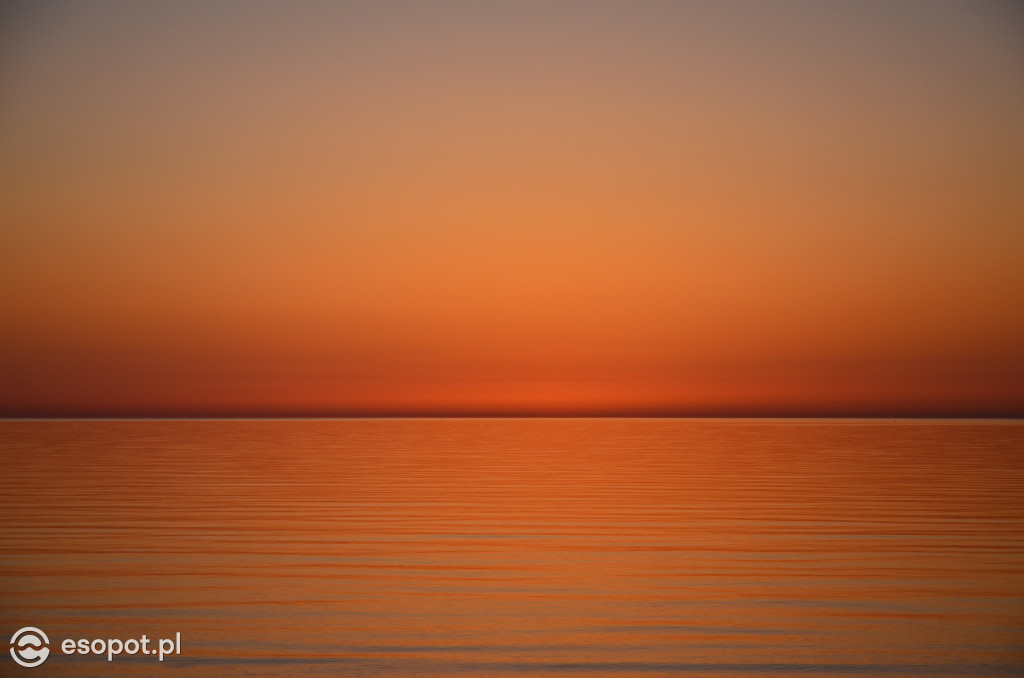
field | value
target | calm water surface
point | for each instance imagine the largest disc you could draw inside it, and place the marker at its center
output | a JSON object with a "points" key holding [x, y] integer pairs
{"points": [[519, 547]]}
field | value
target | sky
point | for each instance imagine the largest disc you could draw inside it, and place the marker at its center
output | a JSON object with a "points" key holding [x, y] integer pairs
{"points": [[519, 208]]}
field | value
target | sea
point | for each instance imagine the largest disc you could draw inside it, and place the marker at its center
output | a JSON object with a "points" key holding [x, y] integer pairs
{"points": [[514, 547]]}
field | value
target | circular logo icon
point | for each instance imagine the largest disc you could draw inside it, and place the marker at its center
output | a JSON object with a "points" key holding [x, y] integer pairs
{"points": [[29, 646]]}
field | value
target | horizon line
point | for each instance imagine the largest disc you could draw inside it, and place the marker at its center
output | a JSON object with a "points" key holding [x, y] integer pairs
{"points": [[394, 417]]}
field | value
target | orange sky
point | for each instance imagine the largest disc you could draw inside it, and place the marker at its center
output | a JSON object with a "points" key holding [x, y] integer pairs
{"points": [[529, 207]]}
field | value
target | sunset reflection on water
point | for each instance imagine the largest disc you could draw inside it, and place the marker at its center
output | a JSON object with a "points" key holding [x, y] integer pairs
{"points": [[490, 547]]}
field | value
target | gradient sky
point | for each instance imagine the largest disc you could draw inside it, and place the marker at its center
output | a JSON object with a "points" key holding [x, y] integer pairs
{"points": [[519, 207]]}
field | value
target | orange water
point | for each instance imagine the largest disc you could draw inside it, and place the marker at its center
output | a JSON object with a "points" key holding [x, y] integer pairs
{"points": [[518, 547]]}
